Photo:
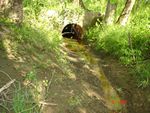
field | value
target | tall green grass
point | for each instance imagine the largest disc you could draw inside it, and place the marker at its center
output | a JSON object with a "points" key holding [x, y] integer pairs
{"points": [[23, 101], [130, 44]]}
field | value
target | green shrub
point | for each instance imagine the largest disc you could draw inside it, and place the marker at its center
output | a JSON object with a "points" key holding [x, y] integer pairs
{"points": [[130, 44], [142, 70]]}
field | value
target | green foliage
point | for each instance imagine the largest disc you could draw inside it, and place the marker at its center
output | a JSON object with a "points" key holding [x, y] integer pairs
{"points": [[35, 6], [96, 5], [48, 39], [41, 32], [31, 76], [1, 46], [23, 101], [120, 6], [18, 102], [74, 101], [130, 44], [142, 70], [40, 25], [113, 1], [114, 40]]}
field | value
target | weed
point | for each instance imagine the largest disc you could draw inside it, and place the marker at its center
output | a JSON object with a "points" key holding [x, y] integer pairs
{"points": [[74, 101], [143, 73], [130, 44], [23, 101], [31, 76]]}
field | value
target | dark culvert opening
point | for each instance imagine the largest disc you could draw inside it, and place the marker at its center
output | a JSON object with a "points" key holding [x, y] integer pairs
{"points": [[73, 31]]}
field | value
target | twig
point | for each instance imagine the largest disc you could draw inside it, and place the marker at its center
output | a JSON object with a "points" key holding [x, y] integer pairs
{"points": [[7, 85], [28, 109], [9, 101], [5, 107], [48, 104], [47, 88], [7, 75], [50, 82]]}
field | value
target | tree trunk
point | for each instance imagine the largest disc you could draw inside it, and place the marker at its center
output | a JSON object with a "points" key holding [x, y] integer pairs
{"points": [[123, 18], [80, 3], [90, 18], [109, 14]]}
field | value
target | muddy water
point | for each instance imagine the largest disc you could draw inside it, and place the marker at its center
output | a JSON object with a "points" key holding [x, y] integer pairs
{"points": [[110, 98]]}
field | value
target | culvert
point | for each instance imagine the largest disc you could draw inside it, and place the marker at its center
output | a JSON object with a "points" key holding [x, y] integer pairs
{"points": [[73, 31]]}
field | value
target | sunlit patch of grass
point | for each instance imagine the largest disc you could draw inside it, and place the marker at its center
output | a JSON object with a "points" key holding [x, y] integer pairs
{"points": [[130, 44]]}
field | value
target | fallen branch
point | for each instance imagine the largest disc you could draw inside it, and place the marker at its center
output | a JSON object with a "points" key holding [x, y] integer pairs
{"points": [[7, 75], [5, 107], [7, 85], [48, 104]]}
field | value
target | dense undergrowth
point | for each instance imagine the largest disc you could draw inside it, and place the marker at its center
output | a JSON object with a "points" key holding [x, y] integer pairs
{"points": [[40, 30], [130, 43], [38, 35]]}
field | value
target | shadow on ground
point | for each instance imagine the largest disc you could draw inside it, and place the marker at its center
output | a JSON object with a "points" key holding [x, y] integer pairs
{"points": [[125, 83], [15, 63], [76, 85], [85, 89]]}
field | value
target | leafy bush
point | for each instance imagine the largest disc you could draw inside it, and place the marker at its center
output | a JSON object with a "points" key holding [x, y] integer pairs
{"points": [[142, 70], [130, 44]]}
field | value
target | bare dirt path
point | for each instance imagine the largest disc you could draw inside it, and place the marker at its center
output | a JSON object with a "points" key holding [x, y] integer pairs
{"points": [[87, 89], [100, 84]]}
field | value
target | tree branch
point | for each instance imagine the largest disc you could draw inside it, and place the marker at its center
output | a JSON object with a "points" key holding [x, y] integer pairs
{"points": [[7, 85]]}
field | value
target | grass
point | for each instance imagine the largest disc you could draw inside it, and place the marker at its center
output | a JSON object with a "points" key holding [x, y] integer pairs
{"points": [[74, 101], [37, 37], [130, 44], [18, 99], [142, 70], [21, 101]]}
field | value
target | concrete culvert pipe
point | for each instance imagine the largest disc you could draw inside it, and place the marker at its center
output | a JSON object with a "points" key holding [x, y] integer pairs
{"points": [[73, 31]]}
